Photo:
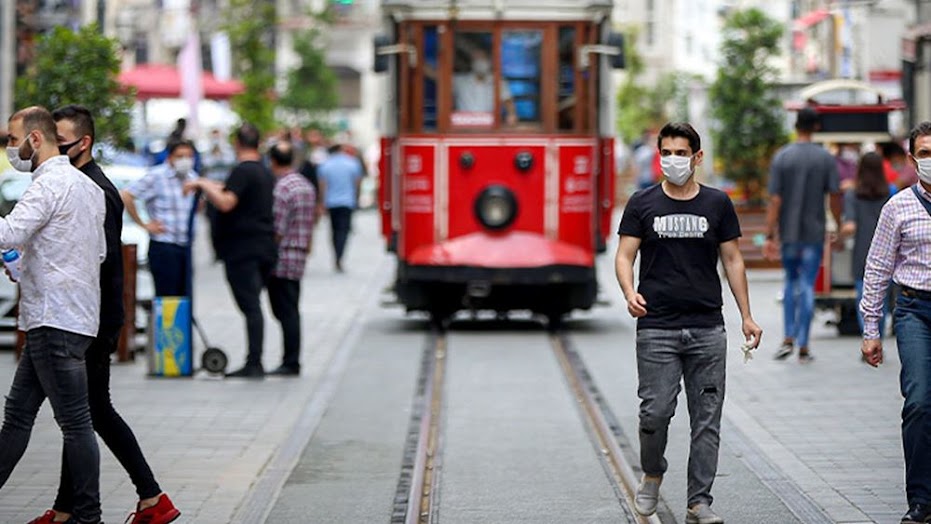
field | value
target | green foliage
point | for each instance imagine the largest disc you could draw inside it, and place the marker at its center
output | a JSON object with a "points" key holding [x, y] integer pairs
{"points": [[79, 68], [251, 25], [311, 89], [748, 123], [641, 107]]}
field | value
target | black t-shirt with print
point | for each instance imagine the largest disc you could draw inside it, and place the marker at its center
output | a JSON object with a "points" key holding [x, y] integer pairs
{"points": [[679, 251]]}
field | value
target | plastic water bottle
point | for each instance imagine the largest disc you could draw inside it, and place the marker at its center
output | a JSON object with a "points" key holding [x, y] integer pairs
{"points": [[12, 261]]}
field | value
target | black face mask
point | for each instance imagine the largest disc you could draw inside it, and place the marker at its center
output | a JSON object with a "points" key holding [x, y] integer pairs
{"points": [[63, 148]]}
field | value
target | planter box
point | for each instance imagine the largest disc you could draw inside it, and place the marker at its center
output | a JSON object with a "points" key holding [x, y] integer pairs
{"points": [[753, 233]]}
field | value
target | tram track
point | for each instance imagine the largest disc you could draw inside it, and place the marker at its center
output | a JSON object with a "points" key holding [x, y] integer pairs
{"points": [[417, 498]]}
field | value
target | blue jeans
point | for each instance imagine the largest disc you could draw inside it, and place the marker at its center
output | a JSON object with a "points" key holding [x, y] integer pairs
{"points": [[913, 337], [801, 262], [664, 358], [53, 366]]}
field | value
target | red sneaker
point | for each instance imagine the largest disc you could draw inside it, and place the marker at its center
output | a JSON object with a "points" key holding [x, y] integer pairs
{"points": [[162, 512], [46, 518]]}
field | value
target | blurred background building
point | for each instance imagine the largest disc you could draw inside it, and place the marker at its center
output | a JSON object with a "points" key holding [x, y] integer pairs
{"points": [[886, 43]]}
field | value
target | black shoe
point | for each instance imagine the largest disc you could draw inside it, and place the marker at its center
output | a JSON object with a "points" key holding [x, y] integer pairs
{"points": [[285, 371], [805, 358], [917, 513], [247, 372]]}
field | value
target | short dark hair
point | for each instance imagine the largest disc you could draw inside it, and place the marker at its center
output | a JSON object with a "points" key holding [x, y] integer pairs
{"points": [[80, 116], [807, 120], [248, 136], [922, 129], [175, 144], [682, 130], [281, 154], [37, 118]]}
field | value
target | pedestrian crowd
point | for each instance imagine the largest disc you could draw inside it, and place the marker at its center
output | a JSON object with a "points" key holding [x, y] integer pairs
{"points": [[681, 230], [262, 210]]}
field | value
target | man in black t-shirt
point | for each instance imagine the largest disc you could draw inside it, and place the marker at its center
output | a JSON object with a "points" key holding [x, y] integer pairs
{"points": [[680, 229], [75, 133], [245, 237]]}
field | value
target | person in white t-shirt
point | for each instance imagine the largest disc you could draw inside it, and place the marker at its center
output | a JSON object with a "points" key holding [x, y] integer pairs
{"points": [[475, 91]]}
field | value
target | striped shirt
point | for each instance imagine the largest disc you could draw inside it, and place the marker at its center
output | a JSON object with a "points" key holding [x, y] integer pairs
{"points": [[295, 200], [901, 251], [162, 191]]}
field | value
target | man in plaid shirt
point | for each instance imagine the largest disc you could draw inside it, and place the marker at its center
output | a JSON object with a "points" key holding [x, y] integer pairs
{"points": [[900, 253], [295, 201]]}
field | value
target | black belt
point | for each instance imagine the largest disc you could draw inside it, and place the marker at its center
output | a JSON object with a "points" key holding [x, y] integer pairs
{"points": [[916, 293]]}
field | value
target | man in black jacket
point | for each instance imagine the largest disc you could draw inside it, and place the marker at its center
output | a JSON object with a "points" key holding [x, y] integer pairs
{"points": [[75, 127]]}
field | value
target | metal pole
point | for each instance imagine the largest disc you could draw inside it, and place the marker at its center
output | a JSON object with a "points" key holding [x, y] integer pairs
{"points": [[7, 59]]}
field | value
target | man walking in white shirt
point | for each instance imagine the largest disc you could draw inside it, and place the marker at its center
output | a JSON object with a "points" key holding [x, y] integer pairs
{"points": [[58, 226]]}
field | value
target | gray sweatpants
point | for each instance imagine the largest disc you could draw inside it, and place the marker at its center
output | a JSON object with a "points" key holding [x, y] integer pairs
{"points": [[664, 358]]}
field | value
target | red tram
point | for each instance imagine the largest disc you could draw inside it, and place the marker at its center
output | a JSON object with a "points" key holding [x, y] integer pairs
{"points": [[497, 167]]}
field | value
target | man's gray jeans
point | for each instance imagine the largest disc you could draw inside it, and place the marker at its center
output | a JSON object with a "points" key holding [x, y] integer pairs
{"points": [[664, 358]]}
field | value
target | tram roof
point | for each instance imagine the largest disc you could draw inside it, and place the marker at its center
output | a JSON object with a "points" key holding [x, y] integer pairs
{"points": [[497, 9]]}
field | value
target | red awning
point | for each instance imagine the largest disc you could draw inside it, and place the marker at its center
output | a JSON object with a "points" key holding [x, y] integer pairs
{"points": [[163, 81], [809, 19]]}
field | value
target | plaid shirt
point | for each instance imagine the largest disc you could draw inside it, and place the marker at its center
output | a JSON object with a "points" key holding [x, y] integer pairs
{"points": [[901, 250], [162, 191], [295, 200]]}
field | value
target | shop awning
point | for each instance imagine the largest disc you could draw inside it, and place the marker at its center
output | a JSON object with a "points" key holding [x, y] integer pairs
{"points": [[809, 19], [163, 81]]}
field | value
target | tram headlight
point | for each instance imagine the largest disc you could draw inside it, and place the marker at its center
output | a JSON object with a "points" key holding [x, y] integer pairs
{"points": [[496, 207]]}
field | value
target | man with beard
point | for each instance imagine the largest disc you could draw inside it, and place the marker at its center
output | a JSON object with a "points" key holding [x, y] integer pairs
{"points": [[58, 225]]}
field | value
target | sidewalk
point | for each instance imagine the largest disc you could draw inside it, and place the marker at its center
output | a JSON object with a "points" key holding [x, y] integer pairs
{"points": [[208, 439], [822, 436], [833, 425]]}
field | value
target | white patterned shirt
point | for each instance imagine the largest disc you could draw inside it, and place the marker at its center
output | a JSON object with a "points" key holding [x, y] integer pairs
{"points": [[58, 226]]}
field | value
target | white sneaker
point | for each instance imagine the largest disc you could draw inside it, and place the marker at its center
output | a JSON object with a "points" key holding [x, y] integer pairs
{"points": [[647, 495], [702, 514]]}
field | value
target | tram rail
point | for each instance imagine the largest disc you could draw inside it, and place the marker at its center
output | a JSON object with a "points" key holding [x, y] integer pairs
{"points": [[417, 498]]}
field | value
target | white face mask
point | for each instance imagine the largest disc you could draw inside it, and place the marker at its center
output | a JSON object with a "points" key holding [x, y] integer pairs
{"points": [[924, 169], [19, 164], [480, 66], [676, 169], [183, 165]]}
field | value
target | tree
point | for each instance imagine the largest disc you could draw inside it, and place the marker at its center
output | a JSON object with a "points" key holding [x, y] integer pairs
{"points": [[311, 89], [641, 107], [748, 123], [251, 25], [79, 68]]}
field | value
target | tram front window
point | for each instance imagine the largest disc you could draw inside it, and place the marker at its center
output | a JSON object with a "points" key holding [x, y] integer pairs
{"points": [[474, 84]]}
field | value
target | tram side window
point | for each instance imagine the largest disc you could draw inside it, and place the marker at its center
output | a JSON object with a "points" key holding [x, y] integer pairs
{"points": [[520, 71], [474, 83], [430, 57], [566, 90]]}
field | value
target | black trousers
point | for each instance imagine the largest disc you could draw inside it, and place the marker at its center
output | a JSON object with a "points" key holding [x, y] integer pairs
{"points": [[341, 223], [284, 296], [246, 278], [111, 427], [169, 264]]}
